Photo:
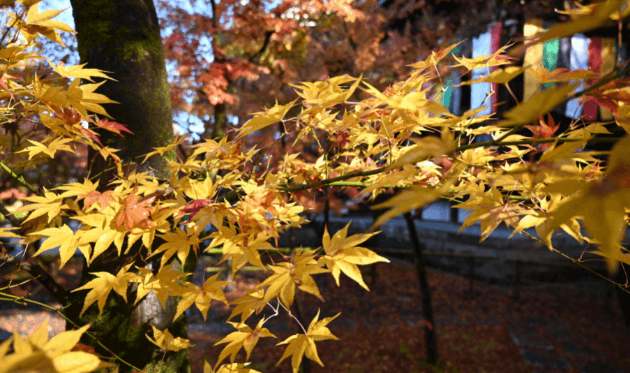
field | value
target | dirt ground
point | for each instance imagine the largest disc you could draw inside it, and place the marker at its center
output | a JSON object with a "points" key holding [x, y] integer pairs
{"points": [[381, 331]]}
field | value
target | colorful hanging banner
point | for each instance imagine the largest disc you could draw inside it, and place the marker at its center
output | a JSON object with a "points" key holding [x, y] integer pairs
{"points": [[495, 44], [551, 50], [607, 65], [483, 45], [564, 53], [594, 64], [533, 57], [578, 61], [452, 96], [564, 61]]}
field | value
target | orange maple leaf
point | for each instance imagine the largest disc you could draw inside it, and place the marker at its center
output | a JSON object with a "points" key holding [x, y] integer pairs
{"points": [[544, 131], [135, 212], [104, 199]]}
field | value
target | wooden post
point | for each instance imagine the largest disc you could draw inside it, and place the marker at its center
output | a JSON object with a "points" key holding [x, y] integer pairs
{"points": [[305, 365], [517, 280], [425, 291], [471, 273]]}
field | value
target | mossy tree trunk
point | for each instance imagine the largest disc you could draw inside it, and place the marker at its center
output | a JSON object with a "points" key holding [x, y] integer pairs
{"points": [[122, 37]]}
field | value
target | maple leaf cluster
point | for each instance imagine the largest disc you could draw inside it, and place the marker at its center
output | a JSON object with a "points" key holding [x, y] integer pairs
{"points": [[384, 147]]}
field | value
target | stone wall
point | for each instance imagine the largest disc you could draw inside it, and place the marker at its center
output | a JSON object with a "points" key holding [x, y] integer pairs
{"points": [[496, 260]]}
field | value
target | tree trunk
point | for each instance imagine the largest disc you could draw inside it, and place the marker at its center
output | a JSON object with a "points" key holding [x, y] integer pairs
{"points": [[122, 37], [622, 296], [430, 337]]}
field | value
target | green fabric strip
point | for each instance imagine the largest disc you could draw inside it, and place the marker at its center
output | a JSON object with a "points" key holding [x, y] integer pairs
{"points": [[551, 50]]}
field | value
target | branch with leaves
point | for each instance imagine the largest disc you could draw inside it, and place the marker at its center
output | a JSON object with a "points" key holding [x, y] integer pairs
{"points": [[374, 144]]}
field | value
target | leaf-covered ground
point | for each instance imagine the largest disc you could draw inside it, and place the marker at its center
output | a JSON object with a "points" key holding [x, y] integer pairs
{"points": [[486, 331]]}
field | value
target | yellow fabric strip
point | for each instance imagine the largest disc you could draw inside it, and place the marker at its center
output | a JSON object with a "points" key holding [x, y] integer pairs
{"points": [[533, 58]]}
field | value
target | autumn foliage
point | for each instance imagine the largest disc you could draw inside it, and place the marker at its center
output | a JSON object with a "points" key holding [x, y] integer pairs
{"points": [[381, 146]]}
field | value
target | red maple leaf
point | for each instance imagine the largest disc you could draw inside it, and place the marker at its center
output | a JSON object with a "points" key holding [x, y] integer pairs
{"points": [[112, 126], [194, 206], [91, 135], [81, 347]]}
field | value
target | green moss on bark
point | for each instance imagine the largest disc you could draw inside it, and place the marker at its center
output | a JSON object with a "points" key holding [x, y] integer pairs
{"points": [[122, 37]]}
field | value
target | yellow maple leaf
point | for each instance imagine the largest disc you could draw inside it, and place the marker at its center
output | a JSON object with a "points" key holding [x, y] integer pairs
{"points": [[50, 204], [586, 21], [77, 189], [424, 148], [228, 368], [490, 209], [103, 284], [41, 23], [103, 237], [49, 150], [37, 353], [179, 242], [414, 198], [392, 179], [320, 95], [343, 254], [246, 305], [601, 205], [65, 239], [495, 59], [202, 297], [201, 189], [265, 118], [301, 345], [91, 101], [286, 275], [538, 219], [78, 71], [499, 76], [163, 283], [6, 233], [165, 149], [166, 342], [35, 17], [411, 101], [560, 74], [539, 104], [240, 248], [434, 58], [244, 337]]}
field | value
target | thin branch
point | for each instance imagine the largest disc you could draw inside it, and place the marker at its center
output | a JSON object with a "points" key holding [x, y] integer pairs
{"points": [[338, 181], [57, 291], [531, 142], [262, 49], [20, 179], [576, 261], [9, 216], [15, 298]]}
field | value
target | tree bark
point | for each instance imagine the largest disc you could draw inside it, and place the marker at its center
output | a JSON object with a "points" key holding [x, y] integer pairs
{"points": [[122, 37], [430, 337]]}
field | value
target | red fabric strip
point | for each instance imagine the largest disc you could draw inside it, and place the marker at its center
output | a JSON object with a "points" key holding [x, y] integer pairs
{"points": [[495, 44], [594, 64]]}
